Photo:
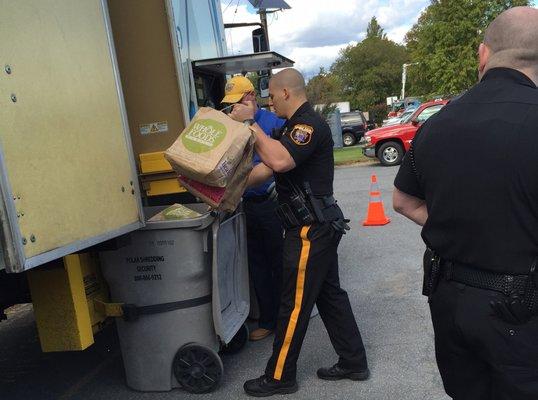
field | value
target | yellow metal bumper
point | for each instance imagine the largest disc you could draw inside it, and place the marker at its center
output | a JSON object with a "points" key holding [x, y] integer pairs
{"points": [[63, 296]]}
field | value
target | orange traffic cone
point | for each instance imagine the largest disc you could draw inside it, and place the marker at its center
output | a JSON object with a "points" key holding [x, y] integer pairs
{"points": [[376, 214]]}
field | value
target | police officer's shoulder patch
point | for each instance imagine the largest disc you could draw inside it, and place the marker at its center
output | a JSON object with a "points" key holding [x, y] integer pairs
{"points": [[301, 134]]}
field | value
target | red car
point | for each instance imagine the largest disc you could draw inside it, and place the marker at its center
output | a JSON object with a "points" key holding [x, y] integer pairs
{"points": [[390, 143]]}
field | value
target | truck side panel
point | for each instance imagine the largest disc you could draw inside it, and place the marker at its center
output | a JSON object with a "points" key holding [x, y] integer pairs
{"points": [[63, 133]]}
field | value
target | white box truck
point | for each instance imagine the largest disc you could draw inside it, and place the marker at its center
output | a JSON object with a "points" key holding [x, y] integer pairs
{"points": [[91, 94]]}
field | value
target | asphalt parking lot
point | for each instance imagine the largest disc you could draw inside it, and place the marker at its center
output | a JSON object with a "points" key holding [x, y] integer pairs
{"points": [[380, 269]]}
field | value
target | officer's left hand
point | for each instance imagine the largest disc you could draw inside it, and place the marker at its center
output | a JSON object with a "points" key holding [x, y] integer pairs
{"points": [[242, 112]]}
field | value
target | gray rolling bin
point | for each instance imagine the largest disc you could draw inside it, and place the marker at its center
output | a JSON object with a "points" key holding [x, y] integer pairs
{"points": [[184, 289]]}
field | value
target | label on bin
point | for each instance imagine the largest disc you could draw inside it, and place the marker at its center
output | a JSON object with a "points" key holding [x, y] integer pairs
{"points": [[145, 259], [148, 277], [146, 268]]}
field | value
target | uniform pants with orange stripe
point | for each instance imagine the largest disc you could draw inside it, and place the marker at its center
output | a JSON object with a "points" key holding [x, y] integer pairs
{"points": [[310, 276]]}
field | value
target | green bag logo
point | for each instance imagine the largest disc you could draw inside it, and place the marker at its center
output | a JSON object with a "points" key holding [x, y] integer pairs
{"points": [[203, 135]]}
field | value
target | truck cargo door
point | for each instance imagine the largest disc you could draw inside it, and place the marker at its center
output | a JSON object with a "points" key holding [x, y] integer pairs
{"points": [[67, 176]]}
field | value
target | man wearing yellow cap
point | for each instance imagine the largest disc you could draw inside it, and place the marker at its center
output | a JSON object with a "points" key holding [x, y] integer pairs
{"points": [[264, 231]]}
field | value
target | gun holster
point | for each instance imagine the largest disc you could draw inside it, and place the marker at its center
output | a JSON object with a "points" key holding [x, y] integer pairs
{"points": [[306, 209], [432, 272]]}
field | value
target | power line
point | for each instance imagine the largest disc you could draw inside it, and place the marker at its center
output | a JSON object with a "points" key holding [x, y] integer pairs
{"points": [[233, 19], [235, 12], [225, 8]]}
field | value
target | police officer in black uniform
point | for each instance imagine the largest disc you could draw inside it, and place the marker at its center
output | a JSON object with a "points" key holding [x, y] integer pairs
{"points": [[301, 158], [471, 179]]}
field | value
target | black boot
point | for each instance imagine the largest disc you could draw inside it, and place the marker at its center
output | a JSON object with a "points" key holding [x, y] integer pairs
{"points": [[265, 386], [336, 373]]}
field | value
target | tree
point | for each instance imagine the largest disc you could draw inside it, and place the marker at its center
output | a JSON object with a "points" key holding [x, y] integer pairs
{"points": [[370, 71], [374, 30], [324, 88], [444, 42]]}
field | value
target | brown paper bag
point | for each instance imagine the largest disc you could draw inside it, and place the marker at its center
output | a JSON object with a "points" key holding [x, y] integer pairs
{"points": [[228, 198], [209, 148]]}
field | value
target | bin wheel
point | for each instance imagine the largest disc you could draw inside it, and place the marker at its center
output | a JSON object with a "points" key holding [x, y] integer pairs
{"points": [[238, 341], [197, 368]]}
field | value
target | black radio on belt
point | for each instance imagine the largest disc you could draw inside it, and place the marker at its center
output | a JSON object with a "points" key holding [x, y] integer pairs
{"points": [[297, 213], [303, 214]]}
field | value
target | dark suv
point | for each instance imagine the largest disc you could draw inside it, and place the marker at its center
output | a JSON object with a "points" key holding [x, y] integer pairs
{"points": [[354, 125]]}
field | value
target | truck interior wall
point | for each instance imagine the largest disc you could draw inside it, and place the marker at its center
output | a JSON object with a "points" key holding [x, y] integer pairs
{"points": [[148, 73]]}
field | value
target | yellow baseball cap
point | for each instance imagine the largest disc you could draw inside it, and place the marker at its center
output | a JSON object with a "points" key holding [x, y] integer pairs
{"points": [[236, 88]]}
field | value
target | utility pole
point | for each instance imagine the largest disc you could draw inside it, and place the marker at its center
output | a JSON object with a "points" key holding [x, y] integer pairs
{"points": [[404, 78], [263, 19], [268, 7]]}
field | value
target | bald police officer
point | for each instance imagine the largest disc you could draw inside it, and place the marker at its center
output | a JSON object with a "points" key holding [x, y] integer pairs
{"points": [[471, 179], [301, 159]]}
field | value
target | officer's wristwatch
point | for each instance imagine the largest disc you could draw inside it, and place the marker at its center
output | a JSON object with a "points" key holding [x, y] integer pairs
{"points": [[249, 122]]}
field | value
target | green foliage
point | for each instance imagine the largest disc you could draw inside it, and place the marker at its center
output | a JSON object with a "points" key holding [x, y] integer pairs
{"points": [[327, 109], [324, 88], [374, 30], [378, 113], [445, 40], [253, 78], [370, 71]]}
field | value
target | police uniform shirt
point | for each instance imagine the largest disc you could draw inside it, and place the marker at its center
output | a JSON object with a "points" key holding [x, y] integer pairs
{"points": [[476, 167], [308, 139]]}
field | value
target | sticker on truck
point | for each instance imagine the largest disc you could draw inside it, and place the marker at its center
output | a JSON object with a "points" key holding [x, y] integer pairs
{"points": [[154, 127]]}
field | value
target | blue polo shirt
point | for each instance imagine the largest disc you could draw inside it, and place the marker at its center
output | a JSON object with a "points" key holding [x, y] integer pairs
{"points": [[268, 121]]}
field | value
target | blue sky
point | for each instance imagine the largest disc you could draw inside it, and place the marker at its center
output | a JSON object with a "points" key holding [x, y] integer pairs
{"points": [[313, 32]]}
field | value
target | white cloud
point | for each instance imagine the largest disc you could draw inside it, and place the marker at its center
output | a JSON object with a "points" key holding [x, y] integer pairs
{"points": [[312, 32]]}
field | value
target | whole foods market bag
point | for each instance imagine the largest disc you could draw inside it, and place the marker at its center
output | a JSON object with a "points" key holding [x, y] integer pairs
{"points": [[175, 212], [228, 198], [209, 148]]}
